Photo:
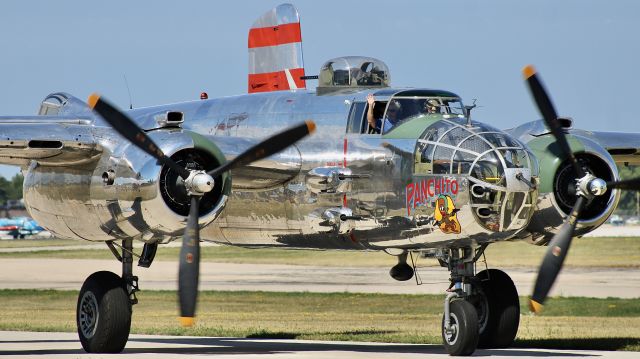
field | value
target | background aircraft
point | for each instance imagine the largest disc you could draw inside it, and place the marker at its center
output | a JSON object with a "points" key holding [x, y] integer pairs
{"points": [[19, 227], [384, 198]]}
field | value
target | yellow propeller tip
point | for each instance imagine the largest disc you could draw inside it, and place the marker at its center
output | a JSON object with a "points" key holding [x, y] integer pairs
{"points": [[311, 126], [535, 307], [187, 321], [528, 71], [93, 100]]}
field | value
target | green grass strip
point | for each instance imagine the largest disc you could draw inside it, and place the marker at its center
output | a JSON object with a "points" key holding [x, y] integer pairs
{"points": [[578, 323]]}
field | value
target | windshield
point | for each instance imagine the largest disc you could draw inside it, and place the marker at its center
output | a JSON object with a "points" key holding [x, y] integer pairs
{"points": [[402, 109]]}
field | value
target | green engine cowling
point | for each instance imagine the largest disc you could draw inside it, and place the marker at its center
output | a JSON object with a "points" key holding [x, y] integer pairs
{"points": [[557, 190]]}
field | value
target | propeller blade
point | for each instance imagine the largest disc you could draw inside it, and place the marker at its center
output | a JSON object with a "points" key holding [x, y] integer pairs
{"points": [[554, 258], [129, 130], [268, 147], [632, 184], [189, 270], [545, 106]]}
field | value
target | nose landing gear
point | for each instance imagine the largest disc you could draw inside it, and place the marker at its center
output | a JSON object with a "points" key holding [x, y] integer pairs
{"points": [[481, 310], [460, 334], [498, 293]]}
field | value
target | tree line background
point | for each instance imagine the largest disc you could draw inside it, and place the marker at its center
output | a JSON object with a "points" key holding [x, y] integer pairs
{"points": [[11, 189], [629, 205]]}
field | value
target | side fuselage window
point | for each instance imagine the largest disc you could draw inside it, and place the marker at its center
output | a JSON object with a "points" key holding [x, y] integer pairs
{"points": [[378, 112], [357, 122]]}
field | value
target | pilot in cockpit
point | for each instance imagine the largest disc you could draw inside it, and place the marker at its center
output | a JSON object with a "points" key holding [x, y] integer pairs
{"points": [[432, 106], [391, 118]]}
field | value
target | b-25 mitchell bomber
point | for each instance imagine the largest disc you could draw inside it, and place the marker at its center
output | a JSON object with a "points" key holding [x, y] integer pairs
{"points": [[401, 170]]}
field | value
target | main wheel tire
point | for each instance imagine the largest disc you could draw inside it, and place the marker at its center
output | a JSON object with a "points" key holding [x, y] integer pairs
{"points": [[463, 339], [103, 313], [499, 324]]}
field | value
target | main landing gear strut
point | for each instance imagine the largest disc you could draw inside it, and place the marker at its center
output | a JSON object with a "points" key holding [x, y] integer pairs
{"points": [[103, 313], [481, 310]]}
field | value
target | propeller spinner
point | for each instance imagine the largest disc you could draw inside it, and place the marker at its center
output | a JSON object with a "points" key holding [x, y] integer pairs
{"points": [[197, 183]]}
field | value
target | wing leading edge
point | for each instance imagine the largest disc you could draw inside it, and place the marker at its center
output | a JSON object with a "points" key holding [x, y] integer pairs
{"points": [[623, 147], [49, 140]]}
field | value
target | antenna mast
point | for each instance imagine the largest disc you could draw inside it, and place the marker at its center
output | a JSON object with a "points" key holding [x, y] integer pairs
{"points": [[467, 110], [126, 83]]}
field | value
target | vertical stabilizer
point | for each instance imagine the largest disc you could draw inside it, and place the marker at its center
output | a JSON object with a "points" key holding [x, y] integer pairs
{"points": [[275, 51]]}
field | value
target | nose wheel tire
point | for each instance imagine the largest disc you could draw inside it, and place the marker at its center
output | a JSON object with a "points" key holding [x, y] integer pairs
{"points": [[462, 338], [103, 313], [500, 324]]}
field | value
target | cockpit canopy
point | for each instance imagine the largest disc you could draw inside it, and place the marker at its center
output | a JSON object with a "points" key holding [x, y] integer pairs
{"points": [[353, 71]]}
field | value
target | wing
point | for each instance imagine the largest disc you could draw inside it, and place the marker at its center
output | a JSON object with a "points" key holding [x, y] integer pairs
{"points": [[623, 147], [50, 140]]}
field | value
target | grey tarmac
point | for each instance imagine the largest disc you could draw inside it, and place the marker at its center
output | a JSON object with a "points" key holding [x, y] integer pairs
{"points": [[66, 345], [69, 274]]}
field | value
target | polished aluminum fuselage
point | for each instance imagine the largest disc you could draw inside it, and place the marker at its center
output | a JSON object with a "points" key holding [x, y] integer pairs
{"points": [[278, 201]]}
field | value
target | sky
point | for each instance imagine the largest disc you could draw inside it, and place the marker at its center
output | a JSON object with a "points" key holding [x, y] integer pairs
{"points": [[586, 51]]}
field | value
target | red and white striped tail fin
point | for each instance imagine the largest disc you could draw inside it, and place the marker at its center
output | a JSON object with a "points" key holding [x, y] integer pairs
{"points": [[275, 51]]}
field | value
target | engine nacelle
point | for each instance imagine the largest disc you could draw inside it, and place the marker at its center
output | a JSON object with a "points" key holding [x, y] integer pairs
{"points": [[127, 194], [558, 186]]}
